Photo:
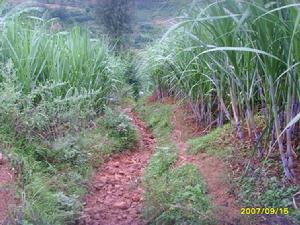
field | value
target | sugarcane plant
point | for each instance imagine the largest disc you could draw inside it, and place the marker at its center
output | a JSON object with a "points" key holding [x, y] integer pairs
{"points": [[233, 61]]}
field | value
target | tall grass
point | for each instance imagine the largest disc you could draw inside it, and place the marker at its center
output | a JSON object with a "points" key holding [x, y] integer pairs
{"points": [[60, 77], [234, 60], [53, 85], [42, 54]]}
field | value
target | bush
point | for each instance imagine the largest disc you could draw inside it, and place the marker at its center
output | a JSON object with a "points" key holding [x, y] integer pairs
{"points": [[158, 119], [53, 86], [258, 189], [120, 128], [263, 191], [8, 96], [54, 175], [54, 83], [41, 56]]}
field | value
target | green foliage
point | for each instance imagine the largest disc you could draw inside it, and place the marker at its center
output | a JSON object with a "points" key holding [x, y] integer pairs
{"points": [[51, 190], [131, 77], [53, 175], [214, 143], [160, 162], [66, 150], [120, 128], [57, 81], [174, 196], [158, 118], [260, 190], [8, 95], [40, 113], [219, 57], [53, 86], [40, 55]]}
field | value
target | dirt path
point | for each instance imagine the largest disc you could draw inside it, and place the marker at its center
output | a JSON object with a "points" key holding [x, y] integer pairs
{"points": [[6, 189], [211, 169], [116, 195]]}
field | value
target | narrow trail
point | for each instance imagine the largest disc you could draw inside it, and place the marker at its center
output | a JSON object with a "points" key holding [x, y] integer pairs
{"points": [[210, 168], [116, 194], [7, 197]]}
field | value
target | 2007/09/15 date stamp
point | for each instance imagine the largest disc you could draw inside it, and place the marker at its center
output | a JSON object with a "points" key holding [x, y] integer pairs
{"points": [[264, 211]]}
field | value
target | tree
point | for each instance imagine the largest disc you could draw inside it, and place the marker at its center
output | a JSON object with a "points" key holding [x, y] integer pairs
{"points": [[116, 17]]}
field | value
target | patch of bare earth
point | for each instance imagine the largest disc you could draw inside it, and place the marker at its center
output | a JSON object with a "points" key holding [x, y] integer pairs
{"points": [[7, 191], [211, 169], [116, 193]]}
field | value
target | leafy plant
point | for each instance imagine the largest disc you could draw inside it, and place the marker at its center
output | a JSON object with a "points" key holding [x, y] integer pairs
{"points": [[53, 87], [258, 190], [120, 129]]}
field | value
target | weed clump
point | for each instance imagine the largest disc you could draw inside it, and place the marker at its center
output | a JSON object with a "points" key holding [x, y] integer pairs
{"points": [[120, 129], [158, 118], [174, 196], [259, 189], [212, 143]]}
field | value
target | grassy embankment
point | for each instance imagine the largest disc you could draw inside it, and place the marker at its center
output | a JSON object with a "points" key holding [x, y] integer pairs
{"points": [[173, 195]]}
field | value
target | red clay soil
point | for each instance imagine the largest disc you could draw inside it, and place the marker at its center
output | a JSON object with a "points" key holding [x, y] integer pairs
{"points": [[116, 194], [211, 169], [7, 197]]}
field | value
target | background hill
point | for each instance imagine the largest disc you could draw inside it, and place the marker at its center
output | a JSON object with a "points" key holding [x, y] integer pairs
{"points": [[149, 20]]}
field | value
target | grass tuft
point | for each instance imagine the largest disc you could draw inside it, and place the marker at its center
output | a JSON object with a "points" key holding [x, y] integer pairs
{"points": [[158, 118], [213, 143]]}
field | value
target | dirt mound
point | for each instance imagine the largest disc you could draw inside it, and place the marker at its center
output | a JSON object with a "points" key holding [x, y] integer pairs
{"points": [[116, 194]]}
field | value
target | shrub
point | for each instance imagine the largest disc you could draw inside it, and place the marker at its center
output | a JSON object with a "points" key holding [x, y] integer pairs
{"points": [[57, 82], [40, 56], [120, 128], [8, 95], [158, 119]]}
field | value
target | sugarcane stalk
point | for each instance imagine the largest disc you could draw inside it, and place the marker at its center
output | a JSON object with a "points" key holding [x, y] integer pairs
{"points": [[235, 115], [283, 156]]}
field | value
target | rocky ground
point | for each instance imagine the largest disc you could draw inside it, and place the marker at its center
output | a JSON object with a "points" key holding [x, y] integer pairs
{"points": [[116, 193]]}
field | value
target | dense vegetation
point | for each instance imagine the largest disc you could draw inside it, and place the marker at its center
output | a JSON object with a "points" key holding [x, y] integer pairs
{"points": [[63, 87], [54, 122], [236, 61]]}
